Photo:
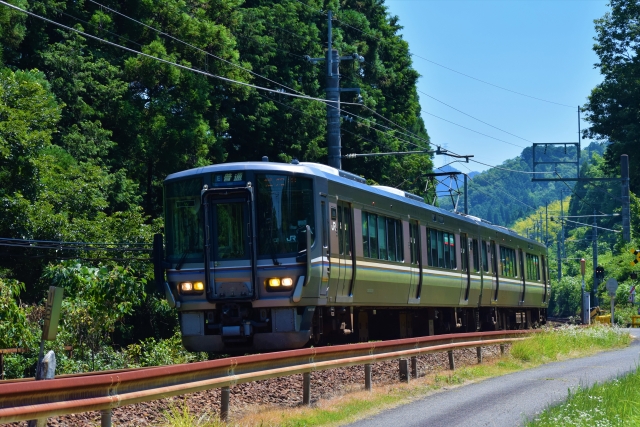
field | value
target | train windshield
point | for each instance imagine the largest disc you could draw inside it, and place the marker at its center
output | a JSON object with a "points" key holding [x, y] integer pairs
{"points": [[284, 209], [183, 221]]}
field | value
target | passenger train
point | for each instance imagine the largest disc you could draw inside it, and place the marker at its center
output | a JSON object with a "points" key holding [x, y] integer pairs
{"points": [[265, 256]]}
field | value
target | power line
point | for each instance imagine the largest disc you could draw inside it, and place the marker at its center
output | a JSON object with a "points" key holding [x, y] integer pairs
{"points": [[184, 67], [505, 169], [576, 194], [499, 189], [475, 131], [474, 118], [458, 72], [194, 69], [192, 46]]}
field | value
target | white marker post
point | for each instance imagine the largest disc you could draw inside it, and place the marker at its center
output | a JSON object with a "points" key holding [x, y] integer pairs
{"points": [[612, 287]]}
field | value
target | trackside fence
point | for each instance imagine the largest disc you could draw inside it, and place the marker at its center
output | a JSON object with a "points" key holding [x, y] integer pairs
{"points": [[25, 400]]}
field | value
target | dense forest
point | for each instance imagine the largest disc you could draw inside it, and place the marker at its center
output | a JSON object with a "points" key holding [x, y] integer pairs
{"points": [[99, 102], [95, 112]]}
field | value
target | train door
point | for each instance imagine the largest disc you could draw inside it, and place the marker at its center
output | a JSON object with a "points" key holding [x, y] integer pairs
{"points": [[228, 237], [522, 275], [415, 259], [495, 282], [544, 279], [345, 252], [465, 267]]}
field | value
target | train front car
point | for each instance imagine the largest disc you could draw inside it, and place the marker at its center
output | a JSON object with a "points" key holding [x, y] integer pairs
{"points": [[254, 226]]}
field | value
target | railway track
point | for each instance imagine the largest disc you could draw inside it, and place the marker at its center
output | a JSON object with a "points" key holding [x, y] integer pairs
{"points": [[110, 391]]}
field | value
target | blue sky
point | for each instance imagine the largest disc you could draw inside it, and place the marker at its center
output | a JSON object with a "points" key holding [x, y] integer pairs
{"points": [[541, 48]]}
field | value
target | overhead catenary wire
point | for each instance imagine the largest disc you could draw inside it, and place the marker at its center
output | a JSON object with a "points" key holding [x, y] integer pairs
{"points": [[184, 67], [192, 46], [474, 118], [459, 72], [302, 96], [472, 130], [576, 194], [499, 189]]}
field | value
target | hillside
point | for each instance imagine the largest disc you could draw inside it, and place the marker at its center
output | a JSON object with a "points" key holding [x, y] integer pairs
{"points": [[503, 196]]}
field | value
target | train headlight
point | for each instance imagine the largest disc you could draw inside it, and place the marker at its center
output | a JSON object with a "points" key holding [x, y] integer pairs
{"points": [[274, 282], [191, 287], [279, 283]]}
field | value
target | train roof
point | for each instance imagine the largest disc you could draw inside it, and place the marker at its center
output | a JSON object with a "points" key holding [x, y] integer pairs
{"points": [[346, 178]]}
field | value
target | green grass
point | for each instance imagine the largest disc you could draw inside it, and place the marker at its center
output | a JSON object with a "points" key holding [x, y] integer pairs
{"points": [[550, 345], [615, 403], [545, 346]]}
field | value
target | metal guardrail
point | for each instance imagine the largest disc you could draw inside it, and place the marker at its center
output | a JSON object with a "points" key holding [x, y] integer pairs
{"points": [[104, 391]]}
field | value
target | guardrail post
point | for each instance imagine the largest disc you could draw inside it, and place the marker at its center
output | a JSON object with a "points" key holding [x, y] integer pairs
{"points": [[105, 418], [479, 351], [502, 349], [306, 388], [452, 363], [414, 367], [367, 377], [404, 370], [224, 403]]}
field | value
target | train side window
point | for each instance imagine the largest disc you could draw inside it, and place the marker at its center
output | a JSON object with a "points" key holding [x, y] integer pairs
{"points": [[476, 255], [452, 248], [508, 261], [391, 239], [433, 248], [373, 235], [533, 267], [414, 241], [441, 252], [365, 235], [399, 241], [382, 237], [485, 258]]}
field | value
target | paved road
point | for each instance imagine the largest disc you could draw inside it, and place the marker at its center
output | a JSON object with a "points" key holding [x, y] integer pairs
{"points": [[511, 399]]}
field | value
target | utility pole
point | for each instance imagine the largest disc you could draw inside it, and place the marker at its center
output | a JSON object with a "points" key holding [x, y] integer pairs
{"points": [[624, 174], [546, 219], [594, 288], [564, 254], [334, 144], [466, 199], [559, 260]]}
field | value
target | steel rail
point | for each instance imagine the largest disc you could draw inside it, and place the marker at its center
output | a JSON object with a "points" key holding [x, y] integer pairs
{"points": [[42, 399]]}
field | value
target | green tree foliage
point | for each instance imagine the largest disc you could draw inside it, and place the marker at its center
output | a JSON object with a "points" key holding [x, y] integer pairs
{"points": [[88, 132], [613, 108], [515, 193]]}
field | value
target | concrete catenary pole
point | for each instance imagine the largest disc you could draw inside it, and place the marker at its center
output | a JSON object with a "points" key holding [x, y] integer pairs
{"points": [[626, 214]]}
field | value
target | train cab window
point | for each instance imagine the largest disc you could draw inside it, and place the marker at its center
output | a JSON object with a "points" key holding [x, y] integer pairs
{"points": [[475, 253], [508, 262], [381, 237], [485, 258], [284, 206], [184, 217], [441, 249], [533, 267]]}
